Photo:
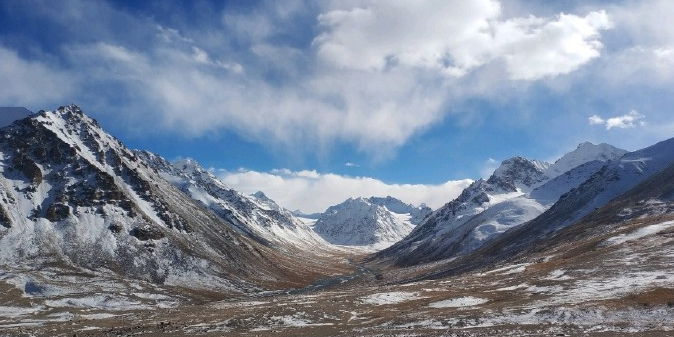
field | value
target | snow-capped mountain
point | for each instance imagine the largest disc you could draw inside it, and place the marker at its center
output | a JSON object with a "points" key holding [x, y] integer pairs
{"points": [[359, 222], [607, 183], [73, 196], [518, 191], [618, 204], [417, 213], [256, 216], [585, 152]]}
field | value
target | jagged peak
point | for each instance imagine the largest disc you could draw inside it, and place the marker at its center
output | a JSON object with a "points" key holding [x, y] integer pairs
{"points": [[72, 114], [519, 173], [260, 195], [187, 165]]}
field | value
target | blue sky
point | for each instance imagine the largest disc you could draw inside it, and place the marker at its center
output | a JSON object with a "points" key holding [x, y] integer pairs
{"points": [[315, 101]]}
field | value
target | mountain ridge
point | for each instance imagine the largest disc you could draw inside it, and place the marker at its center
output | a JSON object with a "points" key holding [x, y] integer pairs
{"points": [[488, 208]]}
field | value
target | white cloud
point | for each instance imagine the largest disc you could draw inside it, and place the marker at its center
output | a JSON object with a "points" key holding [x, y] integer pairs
{"points": [[644, 55], [536, 48], [311, 191], [596, 120], [378, 72], [456, 37], [32, 83], [628, 120]]}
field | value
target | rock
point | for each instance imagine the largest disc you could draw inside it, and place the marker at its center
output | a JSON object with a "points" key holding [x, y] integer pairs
{"points": [[4, 218], [146, 232], [28, 168], [115, 227], [58, 211]]}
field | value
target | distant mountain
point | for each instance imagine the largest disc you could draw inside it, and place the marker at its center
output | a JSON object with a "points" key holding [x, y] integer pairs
{"points": [[585, 152], [360, 222], [518, 191], [417, 213], [74, 197]]}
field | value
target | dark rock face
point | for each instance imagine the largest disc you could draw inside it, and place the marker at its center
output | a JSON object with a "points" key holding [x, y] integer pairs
{"points": [[517, 170], [115, 227], [28, 168], [147, 232], [58, 211], [4, 218]]}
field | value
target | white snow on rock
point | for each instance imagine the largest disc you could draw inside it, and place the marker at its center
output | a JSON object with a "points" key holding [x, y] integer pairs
{"points": [[518, 191], [389, 298], [359, 222], [584, 153], [467, 301], [73, 195], [256, 215], [640, 233]]}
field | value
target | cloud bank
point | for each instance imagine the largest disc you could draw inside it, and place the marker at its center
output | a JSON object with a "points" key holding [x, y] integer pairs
{"points": [[628, 120], [453, 38], [311, 191], [372, 74]]}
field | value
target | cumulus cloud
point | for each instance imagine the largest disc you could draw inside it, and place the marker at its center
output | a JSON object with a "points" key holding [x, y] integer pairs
{"points": [[371, 74], [455, 37], [644, 56], [311, 191], [628, 120], [376, 74], [32, 83]]}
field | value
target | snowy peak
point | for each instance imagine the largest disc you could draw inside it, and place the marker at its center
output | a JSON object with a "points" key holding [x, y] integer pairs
{"points": [[519, 190], [73, 195], [359, 222], [264, 201], [584, 153], [417, 213], [519, 173], [188, 166]]}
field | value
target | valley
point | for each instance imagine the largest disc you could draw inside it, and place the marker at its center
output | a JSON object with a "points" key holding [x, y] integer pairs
{"points": [[600, 286], [100, 240]]}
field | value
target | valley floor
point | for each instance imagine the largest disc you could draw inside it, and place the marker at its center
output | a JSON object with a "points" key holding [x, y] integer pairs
{"points": [[615, 285]]}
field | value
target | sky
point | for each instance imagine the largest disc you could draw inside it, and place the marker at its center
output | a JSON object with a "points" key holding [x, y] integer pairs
{"points": [[313, 102]]}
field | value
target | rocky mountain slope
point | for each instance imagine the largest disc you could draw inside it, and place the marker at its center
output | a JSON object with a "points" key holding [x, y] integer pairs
{"points": [[360, 222], [518, 191], [610, 182], [72, 196], [257, 216], [99, 240], [417, 213]]}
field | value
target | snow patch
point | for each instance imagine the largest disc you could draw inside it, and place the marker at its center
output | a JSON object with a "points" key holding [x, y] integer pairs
{"points": [[389, 298], [466, 301], [639, 233]]}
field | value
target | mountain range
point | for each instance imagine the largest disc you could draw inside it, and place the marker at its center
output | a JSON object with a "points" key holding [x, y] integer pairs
{"points": [[73, 196], [84, 220]]}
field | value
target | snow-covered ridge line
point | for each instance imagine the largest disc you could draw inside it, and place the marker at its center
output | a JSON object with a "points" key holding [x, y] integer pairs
{"points": [[359, 222], [518, 191], [255, 216]]}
